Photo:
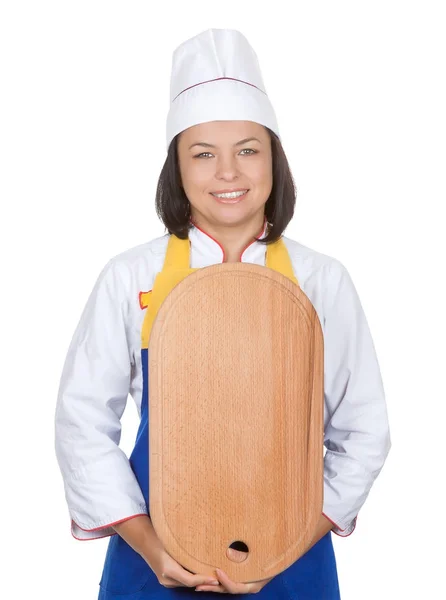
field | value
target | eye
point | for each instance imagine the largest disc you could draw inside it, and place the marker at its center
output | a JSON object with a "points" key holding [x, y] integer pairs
{"points": [[244, 149]]}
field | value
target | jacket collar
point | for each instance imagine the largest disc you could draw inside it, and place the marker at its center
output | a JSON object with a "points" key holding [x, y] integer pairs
{"points": [[206, 250]]}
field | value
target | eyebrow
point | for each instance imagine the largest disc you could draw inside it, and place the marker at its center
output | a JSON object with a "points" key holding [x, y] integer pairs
{"points": [[240, 143]]}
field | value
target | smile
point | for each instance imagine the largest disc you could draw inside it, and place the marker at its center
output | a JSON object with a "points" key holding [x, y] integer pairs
{"points": [[230, 198]]}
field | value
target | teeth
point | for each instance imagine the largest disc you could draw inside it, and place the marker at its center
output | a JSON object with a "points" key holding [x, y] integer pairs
{"points": [[231, 194]]}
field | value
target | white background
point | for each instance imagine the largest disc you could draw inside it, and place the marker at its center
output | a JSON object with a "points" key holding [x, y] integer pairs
{"points": [[359, 93]]}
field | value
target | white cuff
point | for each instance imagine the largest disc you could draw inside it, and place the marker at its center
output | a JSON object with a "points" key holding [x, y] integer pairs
{"points": [[104, 528], [342, 532]]}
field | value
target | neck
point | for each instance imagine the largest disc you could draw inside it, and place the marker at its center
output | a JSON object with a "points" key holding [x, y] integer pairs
{"points": [[233, 239]]}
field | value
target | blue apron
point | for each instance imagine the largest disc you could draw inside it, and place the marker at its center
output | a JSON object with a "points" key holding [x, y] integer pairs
{"points": [[126, 575]]}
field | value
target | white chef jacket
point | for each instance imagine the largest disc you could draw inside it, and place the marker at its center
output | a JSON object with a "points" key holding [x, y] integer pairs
{"points": [[103, 365]]}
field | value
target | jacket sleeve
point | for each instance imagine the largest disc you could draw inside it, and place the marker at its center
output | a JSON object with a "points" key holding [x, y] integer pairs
{"points": [[100, 486], [357, 437]]}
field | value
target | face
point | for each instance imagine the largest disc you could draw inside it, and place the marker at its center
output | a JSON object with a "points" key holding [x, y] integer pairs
{"points": [[213, 157]]}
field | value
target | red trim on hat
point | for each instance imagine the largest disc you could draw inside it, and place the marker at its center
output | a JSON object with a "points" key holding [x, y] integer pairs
{"points": [[217, 79]]}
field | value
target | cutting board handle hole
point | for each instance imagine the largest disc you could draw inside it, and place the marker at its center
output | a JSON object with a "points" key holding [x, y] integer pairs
{"points": [[241, 551]]}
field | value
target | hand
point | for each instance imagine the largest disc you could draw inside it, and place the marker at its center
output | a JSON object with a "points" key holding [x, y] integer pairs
{"points": [[139, 533], [227, 586], [171, 574]]}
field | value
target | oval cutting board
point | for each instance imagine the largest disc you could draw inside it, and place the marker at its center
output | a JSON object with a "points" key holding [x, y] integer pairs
{"points": [[236, 421]]}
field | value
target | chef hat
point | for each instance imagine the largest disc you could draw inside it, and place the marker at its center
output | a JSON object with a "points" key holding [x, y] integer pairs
{"points": [[216, 77]]}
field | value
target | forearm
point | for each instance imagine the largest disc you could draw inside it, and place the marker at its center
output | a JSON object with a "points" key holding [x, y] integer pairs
{"points": [[139, 533]]}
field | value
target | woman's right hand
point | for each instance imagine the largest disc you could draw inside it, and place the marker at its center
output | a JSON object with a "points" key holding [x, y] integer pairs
{"points": [[139, 533], [172, 574]]}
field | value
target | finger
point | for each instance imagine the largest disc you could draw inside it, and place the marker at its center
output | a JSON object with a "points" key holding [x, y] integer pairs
{"points": [[187, 579], [211, 588], [232, 586], [170, 582], [236, 555]]}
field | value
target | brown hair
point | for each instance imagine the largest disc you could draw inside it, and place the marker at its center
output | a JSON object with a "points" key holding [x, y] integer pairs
{"points": [[173, 207]]}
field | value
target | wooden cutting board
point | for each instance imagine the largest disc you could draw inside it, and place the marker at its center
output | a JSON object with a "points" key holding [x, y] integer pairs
{"points": [[236, 421]]}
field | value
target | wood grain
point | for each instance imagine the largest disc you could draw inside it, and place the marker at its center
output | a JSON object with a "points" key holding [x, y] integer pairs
{"points": [[236, 420]]}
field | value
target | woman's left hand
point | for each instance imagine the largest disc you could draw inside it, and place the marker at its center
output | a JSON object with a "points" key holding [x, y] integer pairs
{"points": [[227, 586]]}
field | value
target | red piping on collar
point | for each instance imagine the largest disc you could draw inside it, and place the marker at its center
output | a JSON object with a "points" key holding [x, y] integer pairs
{"points": [[249, 244], [212, 238], [221, 247]]}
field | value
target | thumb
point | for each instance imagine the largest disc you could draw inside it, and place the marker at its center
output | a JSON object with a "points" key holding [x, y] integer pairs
{"points": [[236, 555]]}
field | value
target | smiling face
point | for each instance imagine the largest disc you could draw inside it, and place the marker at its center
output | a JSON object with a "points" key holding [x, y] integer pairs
{"points": [[216, 157]]}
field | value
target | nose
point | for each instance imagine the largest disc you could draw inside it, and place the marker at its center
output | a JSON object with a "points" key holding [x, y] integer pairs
{"points": [[227, 168]]}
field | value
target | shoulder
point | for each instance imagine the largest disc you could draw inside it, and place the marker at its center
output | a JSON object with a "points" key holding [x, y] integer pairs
{"points": [[141, 261], [323, 278], [308, 262], [142, 252], [131, 272]]}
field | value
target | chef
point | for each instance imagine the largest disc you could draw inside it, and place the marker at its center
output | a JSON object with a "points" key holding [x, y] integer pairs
{"points": [[225, 194]]}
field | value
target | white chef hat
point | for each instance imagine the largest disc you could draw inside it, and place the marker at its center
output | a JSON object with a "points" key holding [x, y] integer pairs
{"points": [[216, 77]]}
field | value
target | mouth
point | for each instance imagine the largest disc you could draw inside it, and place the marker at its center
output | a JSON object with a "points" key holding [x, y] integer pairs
{"points": [[230, 200]]}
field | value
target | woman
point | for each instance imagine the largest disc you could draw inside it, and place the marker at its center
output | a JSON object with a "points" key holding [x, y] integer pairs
{"points": [[226, 186]]}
